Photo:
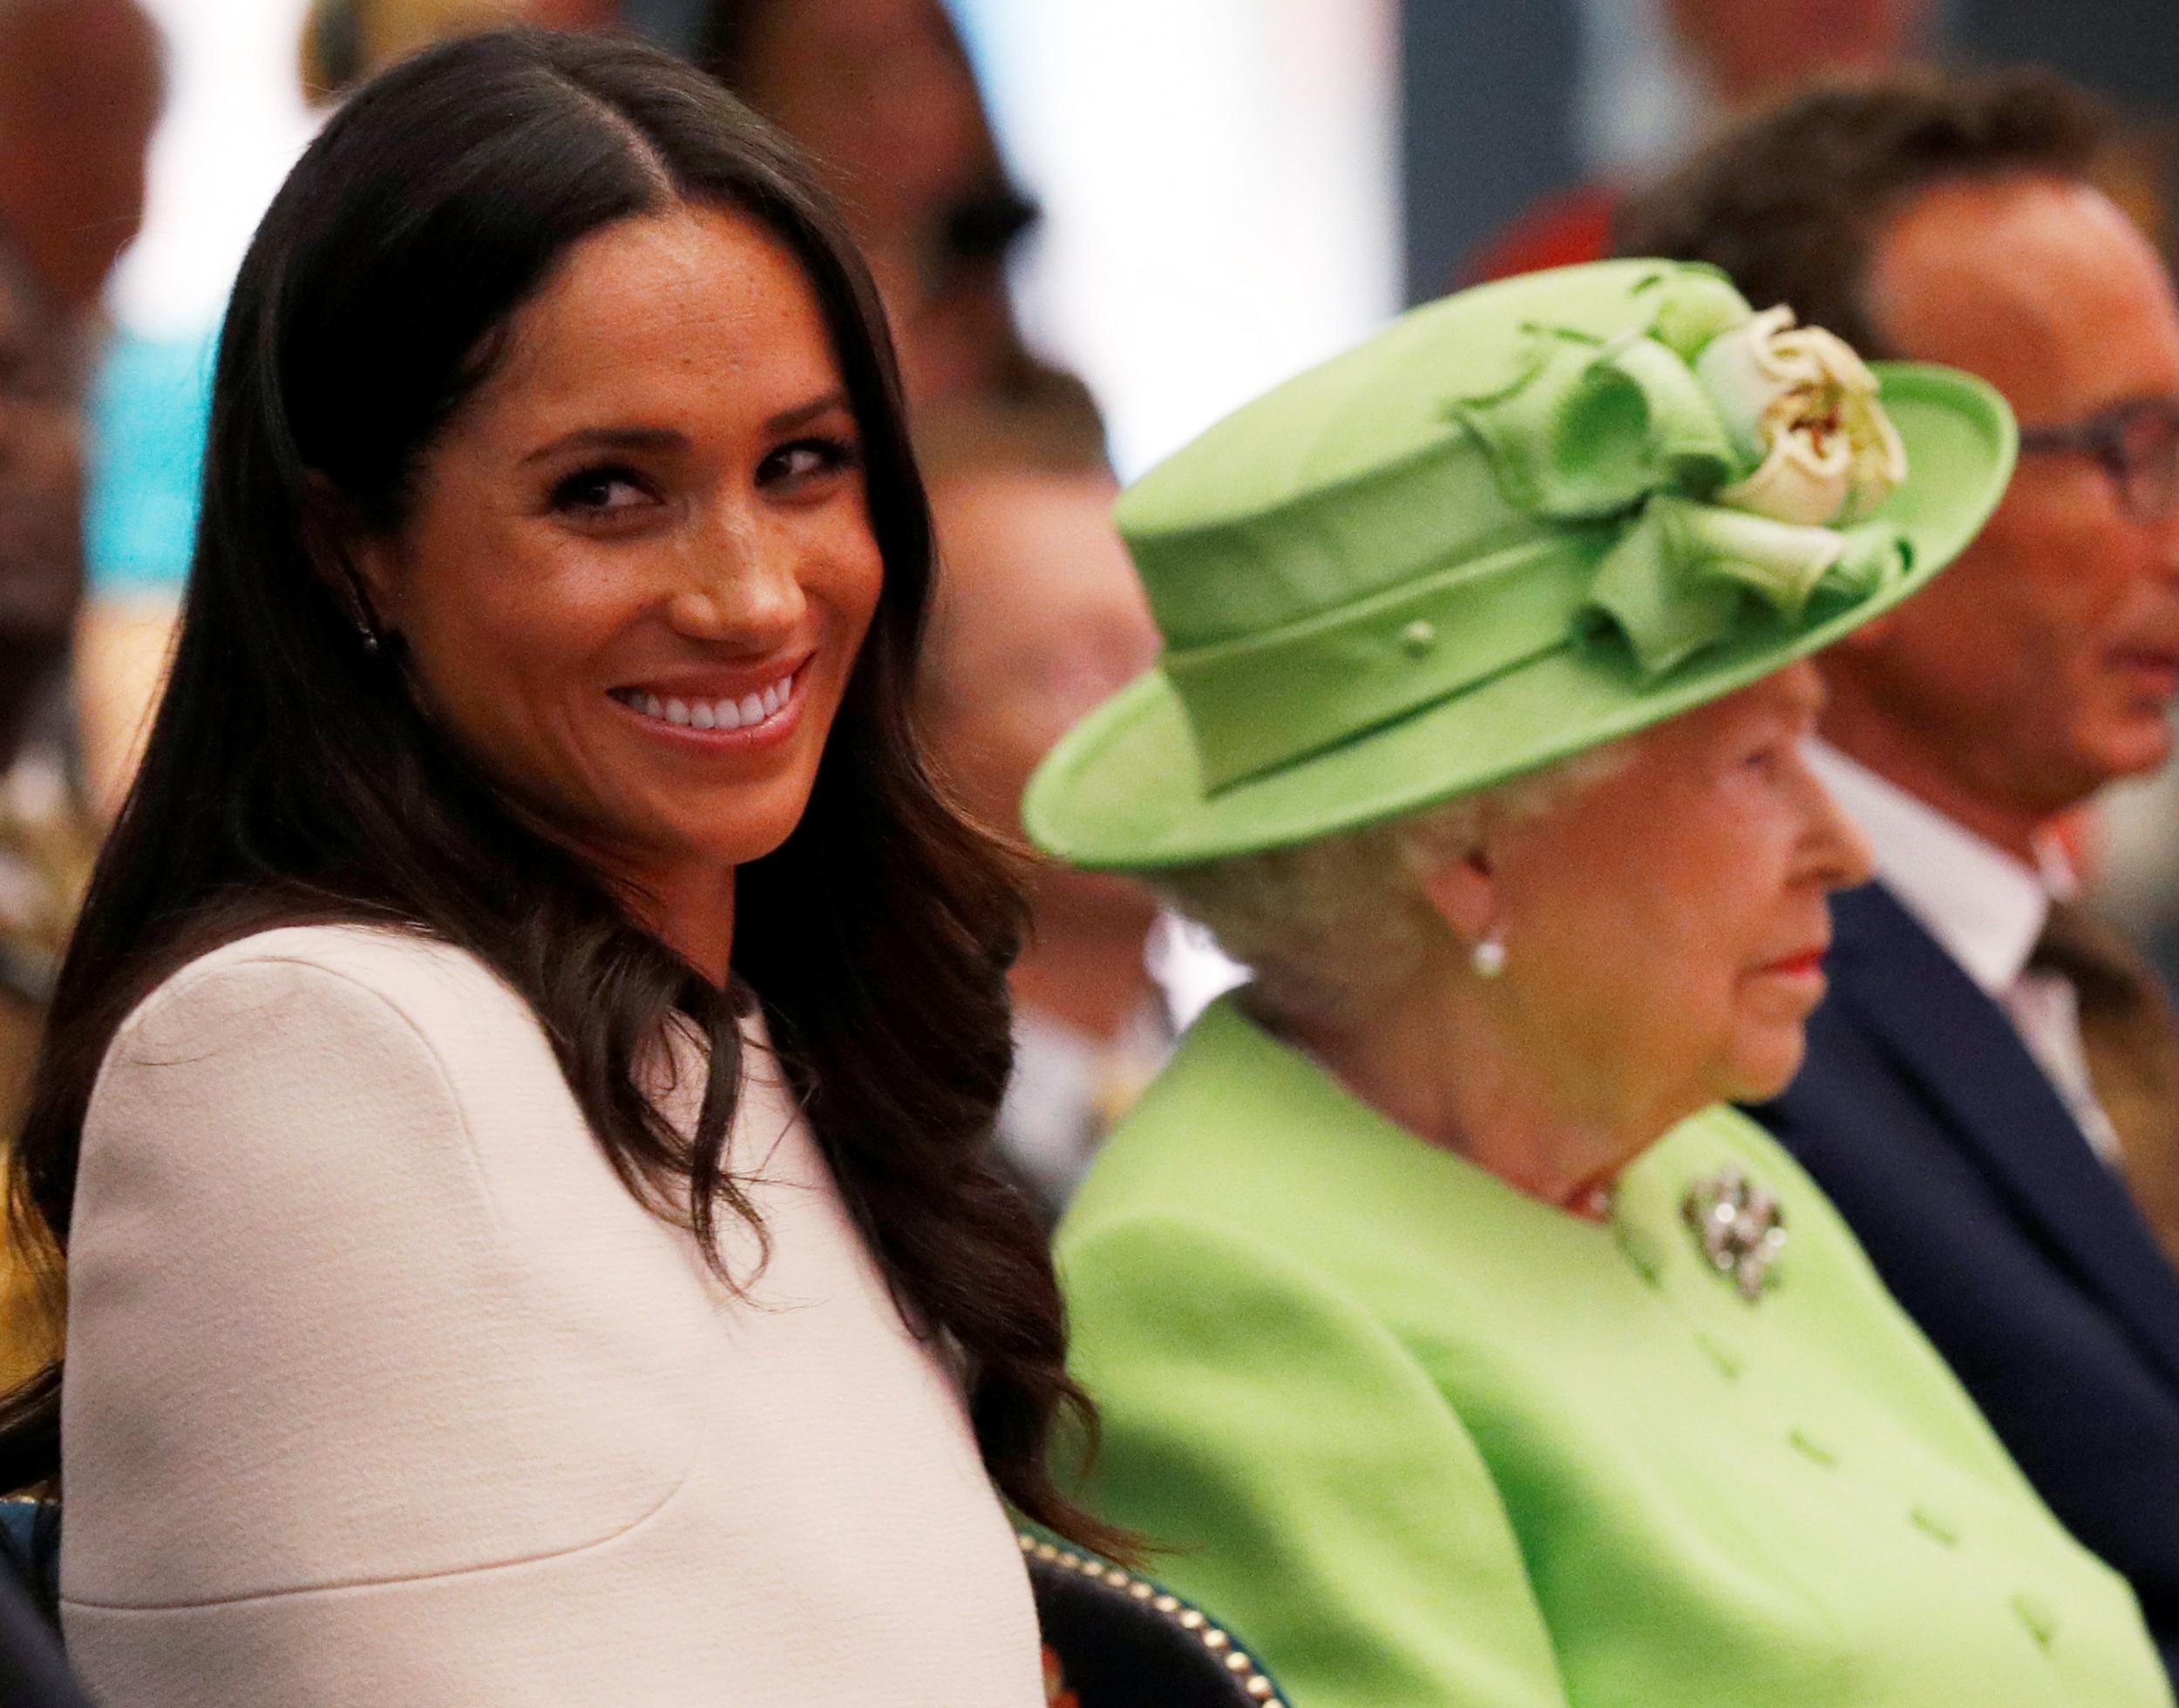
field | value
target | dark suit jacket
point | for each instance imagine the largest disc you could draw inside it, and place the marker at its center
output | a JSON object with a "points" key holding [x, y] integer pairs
{"points": [[1922, 1113], [33, 1673]]}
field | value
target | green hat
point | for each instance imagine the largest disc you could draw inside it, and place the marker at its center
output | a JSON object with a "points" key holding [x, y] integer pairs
{"points": [[1517, 524]]}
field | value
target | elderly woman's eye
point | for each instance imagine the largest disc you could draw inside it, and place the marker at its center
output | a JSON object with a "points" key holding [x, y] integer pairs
{"points": [[599, 491], [806, 460]]}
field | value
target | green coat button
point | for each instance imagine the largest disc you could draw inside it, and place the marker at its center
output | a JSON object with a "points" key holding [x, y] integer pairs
{"points": [[1931, 1525], [2037, 1615]]}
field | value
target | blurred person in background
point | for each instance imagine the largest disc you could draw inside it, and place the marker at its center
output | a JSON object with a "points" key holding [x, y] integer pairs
{"points": [[1459, 1343], [344, 41], [882, 94], [1038, 617], [81, 85], [1742, 55], [1991, 1094], [46, 840]]}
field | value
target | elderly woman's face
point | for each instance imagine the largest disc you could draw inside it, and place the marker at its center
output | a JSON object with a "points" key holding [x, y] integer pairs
{"points": [[1665, 926], [640, 565]]}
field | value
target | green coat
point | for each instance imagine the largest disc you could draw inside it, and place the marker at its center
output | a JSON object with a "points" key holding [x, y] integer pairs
{"points": [[1420, 1439]]}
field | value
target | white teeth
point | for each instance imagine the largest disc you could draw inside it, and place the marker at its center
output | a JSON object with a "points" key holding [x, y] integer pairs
{"points": [[742, 714]]}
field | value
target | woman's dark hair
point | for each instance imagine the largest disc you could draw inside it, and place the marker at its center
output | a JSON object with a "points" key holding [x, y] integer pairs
{"points": [[291, 777]]}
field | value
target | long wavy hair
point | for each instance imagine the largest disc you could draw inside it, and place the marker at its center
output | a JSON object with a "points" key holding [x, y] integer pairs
{"points": [[289, 776]]}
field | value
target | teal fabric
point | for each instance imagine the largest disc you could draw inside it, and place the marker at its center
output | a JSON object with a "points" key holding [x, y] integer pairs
{"points": [[1420, 1440], [150, 407]]}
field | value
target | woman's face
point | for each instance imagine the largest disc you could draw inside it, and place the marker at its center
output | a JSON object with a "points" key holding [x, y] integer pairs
{"points": [[639, 564], [1665, 926]]}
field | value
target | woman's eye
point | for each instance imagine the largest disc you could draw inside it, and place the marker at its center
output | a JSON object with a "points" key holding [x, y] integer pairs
{"points": [[603, 492], [805, 460]]}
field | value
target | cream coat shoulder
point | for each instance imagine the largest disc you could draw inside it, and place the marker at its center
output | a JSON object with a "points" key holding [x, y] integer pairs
{"points": [[381, 1386]]}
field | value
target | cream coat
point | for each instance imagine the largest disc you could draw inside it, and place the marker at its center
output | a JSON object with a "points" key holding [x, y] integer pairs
{"points": [[381, 1388]]}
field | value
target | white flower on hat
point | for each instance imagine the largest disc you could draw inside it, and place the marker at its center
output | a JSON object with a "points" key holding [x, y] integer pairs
{"points": [[1802, 406]]}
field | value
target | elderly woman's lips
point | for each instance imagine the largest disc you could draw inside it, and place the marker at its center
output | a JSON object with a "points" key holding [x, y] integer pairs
{"points": [[2157, 670], [1807, 965]]}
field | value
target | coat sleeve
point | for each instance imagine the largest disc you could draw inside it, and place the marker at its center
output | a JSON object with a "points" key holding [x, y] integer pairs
{"points": [[1313, 1485], [313, 1365]]}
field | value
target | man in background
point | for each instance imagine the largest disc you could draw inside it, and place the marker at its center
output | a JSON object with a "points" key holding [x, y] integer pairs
{"points": [[1038, 616], [1991, 1089]]}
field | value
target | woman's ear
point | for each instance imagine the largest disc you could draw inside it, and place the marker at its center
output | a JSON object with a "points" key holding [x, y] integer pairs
{"points": [[352, 567], [1465, 893]]}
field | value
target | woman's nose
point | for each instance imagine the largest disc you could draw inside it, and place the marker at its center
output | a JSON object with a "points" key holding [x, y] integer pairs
{"points": [[740, 586]]}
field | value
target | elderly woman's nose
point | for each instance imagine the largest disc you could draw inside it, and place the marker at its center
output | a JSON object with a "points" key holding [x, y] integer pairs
{"points": [[1843, 856]]}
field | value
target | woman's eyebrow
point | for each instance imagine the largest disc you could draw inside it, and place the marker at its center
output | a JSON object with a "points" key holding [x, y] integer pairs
{"points": [[611, 438], [667, 438], [802, 414]]}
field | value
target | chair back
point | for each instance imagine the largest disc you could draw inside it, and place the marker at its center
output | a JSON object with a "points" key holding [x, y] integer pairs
{"points": [[1115, 1639]]}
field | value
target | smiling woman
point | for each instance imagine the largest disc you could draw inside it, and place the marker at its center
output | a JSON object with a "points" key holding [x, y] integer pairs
{"points": [[530, 958], [641, 568]]}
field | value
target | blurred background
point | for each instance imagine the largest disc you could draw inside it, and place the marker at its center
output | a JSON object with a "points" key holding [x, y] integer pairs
{"points": [[1099, 224], [1229, 189]]}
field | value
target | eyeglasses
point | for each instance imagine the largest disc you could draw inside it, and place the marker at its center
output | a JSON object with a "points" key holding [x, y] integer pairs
{"points": [[2137, 442]]}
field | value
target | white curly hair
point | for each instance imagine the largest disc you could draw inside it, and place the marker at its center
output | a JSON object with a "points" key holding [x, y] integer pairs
{"points": [[1331, 928]]}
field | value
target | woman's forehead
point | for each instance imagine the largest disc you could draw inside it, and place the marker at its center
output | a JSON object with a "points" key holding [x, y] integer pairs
{"points": [[686, 311]]}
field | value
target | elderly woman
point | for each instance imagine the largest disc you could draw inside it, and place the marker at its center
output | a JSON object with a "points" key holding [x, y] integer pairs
{"points": [[1460, 1343]]}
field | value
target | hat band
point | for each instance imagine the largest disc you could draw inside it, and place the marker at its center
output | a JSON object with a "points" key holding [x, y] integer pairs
{"points": [[1671, 582], [1264, 700]]}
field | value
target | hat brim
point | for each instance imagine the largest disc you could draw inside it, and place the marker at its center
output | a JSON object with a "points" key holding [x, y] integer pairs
{"points": [[1122, 792]]}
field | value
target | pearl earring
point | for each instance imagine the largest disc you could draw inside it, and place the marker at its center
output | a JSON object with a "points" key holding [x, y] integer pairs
{"points": [[1488, 957]]}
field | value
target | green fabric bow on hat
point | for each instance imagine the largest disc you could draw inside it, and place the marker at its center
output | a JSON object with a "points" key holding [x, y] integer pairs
{"points": [[1517, 524], [1651, 426]]}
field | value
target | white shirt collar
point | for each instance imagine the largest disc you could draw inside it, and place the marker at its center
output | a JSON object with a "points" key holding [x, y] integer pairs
{"points": [[1984, 907]]}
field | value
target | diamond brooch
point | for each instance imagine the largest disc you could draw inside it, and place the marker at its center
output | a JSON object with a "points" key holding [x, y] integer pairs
{"points": [[1739, 1225]]}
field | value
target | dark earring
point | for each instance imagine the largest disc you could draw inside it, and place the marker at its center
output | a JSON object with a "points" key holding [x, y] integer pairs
{"points": [[369, 636]]}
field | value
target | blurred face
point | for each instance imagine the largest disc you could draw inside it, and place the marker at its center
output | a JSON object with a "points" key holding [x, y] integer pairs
{"points": [[79, 93], [1750, 53], [881, 93], [41, 504], [640, 565], [2042, 664], [1665, 926], [1040, 617]]}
